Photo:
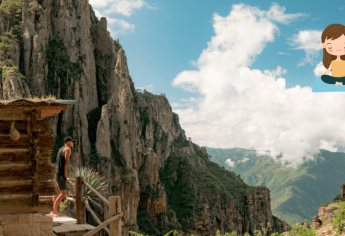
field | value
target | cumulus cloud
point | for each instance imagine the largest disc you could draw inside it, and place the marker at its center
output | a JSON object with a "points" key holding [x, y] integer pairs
{"points": [[310, 42], [113, 9], [122, 7], [116, 26], [230, 163], [239, 106]]}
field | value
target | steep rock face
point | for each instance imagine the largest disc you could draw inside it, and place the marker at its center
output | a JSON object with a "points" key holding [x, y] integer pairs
{"points": [[133, 138], [12, 85], [206, 198]]}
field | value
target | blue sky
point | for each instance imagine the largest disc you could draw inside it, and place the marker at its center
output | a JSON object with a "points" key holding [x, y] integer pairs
{"points": [[170, 34], [238, 73]]}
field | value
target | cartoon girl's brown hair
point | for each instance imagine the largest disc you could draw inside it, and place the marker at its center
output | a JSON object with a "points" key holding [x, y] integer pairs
{"points": [[332, 31]]}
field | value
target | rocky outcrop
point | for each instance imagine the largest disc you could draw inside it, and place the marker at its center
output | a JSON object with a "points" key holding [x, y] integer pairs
{"points": [[330, 218], [133, 138]]}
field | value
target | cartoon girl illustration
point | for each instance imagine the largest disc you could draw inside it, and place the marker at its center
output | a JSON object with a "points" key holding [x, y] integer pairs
{"points": [[333, 44]]}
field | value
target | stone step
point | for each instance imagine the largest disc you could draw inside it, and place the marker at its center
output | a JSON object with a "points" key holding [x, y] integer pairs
{"points": [[63, 220], [67, 226], [71, 229]]}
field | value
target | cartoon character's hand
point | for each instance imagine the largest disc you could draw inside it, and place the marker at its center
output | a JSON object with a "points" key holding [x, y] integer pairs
{"points": [[338, 83]]}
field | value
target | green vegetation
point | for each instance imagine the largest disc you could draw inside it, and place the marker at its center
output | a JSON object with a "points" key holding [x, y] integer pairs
{"points": [[63, 206], [61, 71], [8, 48], [11, 72], [301, 230], [11, 7], [96, 181], [338, 221], [144, 119], [185, 179], [170, 233], [146, 224], [183, 201], [12, 10], [296, 193], [226, 234], [181, 141]]}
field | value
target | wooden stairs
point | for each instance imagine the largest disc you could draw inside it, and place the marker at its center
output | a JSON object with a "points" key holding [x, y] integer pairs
{"points": [[67, 226]]}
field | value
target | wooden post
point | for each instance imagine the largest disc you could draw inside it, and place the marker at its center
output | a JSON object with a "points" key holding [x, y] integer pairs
{"points": [[114, 209], [80, 207]]}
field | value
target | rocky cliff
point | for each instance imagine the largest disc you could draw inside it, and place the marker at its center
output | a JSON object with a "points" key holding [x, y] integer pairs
{"points": [[60, 48]]}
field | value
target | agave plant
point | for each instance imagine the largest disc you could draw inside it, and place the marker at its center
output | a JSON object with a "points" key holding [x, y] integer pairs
{"points": [[96, 181]]}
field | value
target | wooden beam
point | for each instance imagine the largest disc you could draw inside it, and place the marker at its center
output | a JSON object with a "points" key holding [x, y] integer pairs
{"points": [[15, 187], [45, 141], [45, 166], [104, 224], [15, 197], [80, 208], [13, 150], [6, 142], [20, 208], [51, 111], [106, 202], [42, 126], [14, 157], [87, 206], [8, 116], [7, 184], [115, 209], [47, 187], [15, 168]]}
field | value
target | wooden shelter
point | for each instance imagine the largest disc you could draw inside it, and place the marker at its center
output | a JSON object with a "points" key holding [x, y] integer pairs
{"points": [[27, 177]]}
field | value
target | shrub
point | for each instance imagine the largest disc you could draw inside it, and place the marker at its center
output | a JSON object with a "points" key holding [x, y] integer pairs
{"points": [[96, 181], [338, 221], [301, 230]]}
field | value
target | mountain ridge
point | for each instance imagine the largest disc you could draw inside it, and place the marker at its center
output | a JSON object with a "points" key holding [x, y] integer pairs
{"points": [[296, 193], [132, 138]]}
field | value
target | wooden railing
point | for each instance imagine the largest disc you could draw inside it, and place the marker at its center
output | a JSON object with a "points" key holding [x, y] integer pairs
{"points": [[112, 208]]}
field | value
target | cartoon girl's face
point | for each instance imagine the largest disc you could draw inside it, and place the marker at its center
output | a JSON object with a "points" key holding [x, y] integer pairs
{"points": [[336, 46]]}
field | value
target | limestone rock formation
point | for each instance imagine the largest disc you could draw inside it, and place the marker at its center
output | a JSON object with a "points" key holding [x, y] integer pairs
{"points": [[132, 138]]}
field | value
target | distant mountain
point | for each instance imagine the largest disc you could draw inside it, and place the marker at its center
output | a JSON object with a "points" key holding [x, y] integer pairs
{"points": [[131, 137], [296, 193]]}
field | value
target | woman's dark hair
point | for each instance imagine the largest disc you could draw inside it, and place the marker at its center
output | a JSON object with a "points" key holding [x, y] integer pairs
{"points": [[332, 31]]}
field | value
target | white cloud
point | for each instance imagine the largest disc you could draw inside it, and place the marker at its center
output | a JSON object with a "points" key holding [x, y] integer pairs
{"points": [[112, 8], [319, 67], [249, 108], [277, 13], [122, 7], [243, 160], [310, 42], [116, 26], [230, 163], [100, 3]]}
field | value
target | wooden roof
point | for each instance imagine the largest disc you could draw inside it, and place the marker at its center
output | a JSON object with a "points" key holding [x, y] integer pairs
{"points": [[44, 108]]}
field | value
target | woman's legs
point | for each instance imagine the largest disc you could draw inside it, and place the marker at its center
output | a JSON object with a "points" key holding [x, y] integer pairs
{"points": [[57, 201], [332, 80], [328, 79]]}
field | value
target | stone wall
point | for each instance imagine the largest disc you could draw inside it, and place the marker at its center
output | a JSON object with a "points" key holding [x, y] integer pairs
{"points": [[33, 224]]}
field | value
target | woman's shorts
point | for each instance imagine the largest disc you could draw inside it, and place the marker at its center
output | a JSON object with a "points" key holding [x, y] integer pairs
{"points": [[61, 183]]}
